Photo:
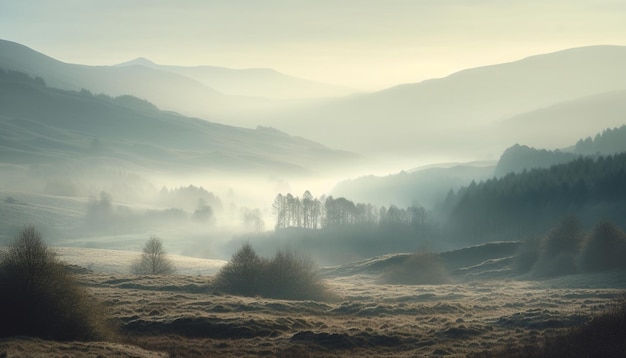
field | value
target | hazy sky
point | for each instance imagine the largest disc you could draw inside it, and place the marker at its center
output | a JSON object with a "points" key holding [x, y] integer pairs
{"points": [[368, 44]]}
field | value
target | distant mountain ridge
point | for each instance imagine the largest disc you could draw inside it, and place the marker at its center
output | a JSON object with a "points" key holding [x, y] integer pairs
{"points": [[446, 115], [183, 89], [522, 157], [40, 124], [167, 90], [428, 185], [251, 82]]}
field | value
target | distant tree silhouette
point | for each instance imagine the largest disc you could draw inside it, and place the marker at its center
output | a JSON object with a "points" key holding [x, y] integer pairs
{"points": [[252, 218], [153, 260]]}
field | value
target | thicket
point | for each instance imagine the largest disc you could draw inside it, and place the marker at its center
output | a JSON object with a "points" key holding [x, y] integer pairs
{"points": [[40, 297], [568, 249], [287, 275]]}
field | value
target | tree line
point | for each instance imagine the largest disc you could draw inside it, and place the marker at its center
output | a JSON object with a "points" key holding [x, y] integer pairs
{"points": [[310, 212], [526, 203]]}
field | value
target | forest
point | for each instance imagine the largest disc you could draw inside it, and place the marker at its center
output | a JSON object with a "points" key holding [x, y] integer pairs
{"points": [[513, 207], [527, 203]]}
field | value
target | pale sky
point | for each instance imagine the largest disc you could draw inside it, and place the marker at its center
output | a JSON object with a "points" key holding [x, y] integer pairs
{"points": [[364, 44]]}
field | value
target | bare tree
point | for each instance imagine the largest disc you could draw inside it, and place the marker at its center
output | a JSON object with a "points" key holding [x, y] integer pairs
{"points": [[153, 260]]}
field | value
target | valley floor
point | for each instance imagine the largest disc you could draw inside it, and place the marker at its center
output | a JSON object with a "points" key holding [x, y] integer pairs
{"points": [[180, 316]]}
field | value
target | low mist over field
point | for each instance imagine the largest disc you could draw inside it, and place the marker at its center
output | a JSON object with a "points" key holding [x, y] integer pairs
{"points": [[288, 179]]}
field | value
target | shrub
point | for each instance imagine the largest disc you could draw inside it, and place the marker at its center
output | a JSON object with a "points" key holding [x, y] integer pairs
{"points": [[559, 249], [527, 255], [241, 275], [422, 268], [288, 275], [603, 249], [292, 275], [153, 260], [39, 297]]}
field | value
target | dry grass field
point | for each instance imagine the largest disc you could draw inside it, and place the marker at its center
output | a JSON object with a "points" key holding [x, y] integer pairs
{"points": [[182, 316]]}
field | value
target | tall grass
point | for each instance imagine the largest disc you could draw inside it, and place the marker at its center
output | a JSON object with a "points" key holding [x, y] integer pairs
{"points": [[603, 336]]}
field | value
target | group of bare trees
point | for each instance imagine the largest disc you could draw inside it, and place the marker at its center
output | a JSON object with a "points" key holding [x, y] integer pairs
{"points": [[292, 211], [316, 213]]}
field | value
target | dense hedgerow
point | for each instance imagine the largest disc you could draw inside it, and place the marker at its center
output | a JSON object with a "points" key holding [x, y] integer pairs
{"points": [[39, 297]]}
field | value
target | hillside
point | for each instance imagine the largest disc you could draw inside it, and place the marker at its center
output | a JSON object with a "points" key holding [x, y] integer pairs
{"points": [[522, 157], [608, 142], [446, 116], [168, 90], [424, 186], [46, 125], [561, 124], [525, 204], [251, 82]]}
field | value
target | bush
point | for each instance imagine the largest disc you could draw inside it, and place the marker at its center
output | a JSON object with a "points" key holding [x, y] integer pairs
{"points": [[527, 255], [288, 275], [422, 268], [39, 297], [292, 275], [604, 249], [559, 249], [153, 260], [241, 275]]}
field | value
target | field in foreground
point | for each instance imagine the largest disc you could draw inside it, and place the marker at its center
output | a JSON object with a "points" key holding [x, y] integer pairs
{"points": [[181, 316]]}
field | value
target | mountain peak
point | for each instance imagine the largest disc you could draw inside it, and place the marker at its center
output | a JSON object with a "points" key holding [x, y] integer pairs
{"points": [[139, 61]]}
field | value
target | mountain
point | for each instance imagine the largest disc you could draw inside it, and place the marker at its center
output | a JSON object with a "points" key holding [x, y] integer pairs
{"points": [[168, 90], [164, 88], [40, 124], [452, 115], [429, 185], [561, 124], [251, 82], [425, 186], [522, 157]]}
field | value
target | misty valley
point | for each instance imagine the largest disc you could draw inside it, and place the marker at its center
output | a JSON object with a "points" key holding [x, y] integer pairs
{"points": [[152, 210]]}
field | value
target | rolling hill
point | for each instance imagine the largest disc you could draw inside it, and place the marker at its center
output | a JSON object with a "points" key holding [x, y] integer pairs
{"points": [[46, 125], [188, 90], [250, 82], [561, 124], [463, 112]]}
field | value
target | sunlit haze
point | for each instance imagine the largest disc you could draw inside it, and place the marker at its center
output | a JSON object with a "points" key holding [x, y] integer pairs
{"points": [[366, 45], [291, 178]]}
